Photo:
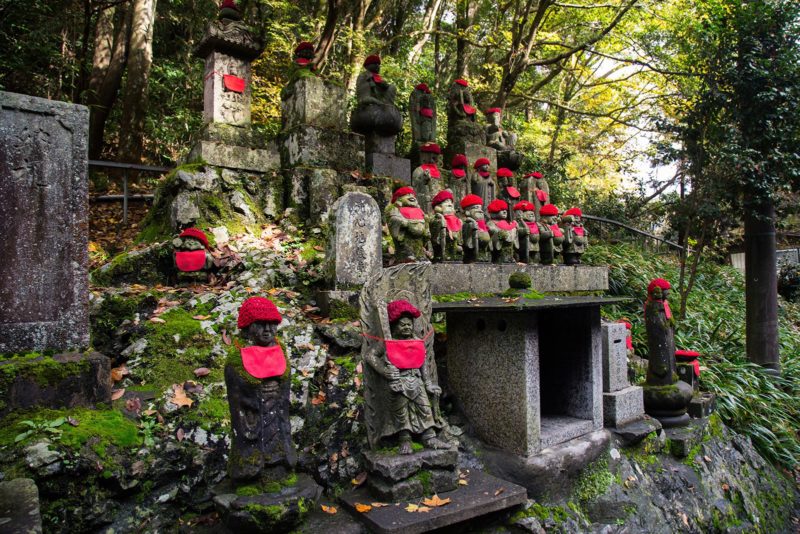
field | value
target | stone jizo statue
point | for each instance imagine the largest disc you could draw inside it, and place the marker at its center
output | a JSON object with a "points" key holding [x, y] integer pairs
{"points": [[576, 238], [527, 232], [427, 179], [191, 251], [403, 391], [229, 10], [508, 190], [422, 113], [503, 233], [408, 227], [461, 116], [457, 179], [258, 395], [481, 183], [375, 111], [547, 234], [445, 228], [475, 238], [501, 140]]}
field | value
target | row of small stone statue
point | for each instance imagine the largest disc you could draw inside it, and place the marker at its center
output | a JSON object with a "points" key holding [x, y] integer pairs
{"points": [[444, 236]]}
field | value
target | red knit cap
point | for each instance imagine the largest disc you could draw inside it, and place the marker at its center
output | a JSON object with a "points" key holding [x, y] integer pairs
{"points": [[462, 82], [493, 110], [433, 148], [502, 172], [459, 160], [548, 210], [687, 354], [401, 192], [258, 309], [441, 196], [423, 87], [497, 205], [228, 4], [524, 206], [658, 282], [398, 308], [574, 211], [197, 234], [372, 59], [305, 45], [471, 200], [626, 323], [481, 162], [535, 174]]}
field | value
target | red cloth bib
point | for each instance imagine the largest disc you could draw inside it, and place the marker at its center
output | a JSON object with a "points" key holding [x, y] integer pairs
{"points": [[233, 83], [542, 196], [505, 225], [469, 110], [426, 112], [556, 230], [189, 261], [629, 343], [412, 213], [377, 78], [512, 192], [453, 223], [459, 173], [482, 226], [578, 230], [485, 174], [432, 169], [532, 226], [263, 362], [405, 353], [302, 61]]}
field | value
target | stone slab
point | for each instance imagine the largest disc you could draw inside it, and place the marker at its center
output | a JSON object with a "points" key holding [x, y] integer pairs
{"points": [[467, 502], [354, 253], [634, 432], [450, 278], [246, 135], [235, 157], [702, 405], [389, 165], [560, 429], [314, 102], [380, 144], [413, 487], [398, 467], [19, 507], [624, 406], [310, 146], [683, 439], [219, 104], [44, 290], [615, 357]]}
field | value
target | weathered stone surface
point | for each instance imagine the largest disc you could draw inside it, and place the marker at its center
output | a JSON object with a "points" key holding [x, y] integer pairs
{"points": [[634, 432], [314, 102], [44, 224], [318, 147], [404, 490], [379, 144], [64, 380], [248, 135], [19, 507], [683, 439], [702, 405], [615, 357], [389, 165], [342, 304], [235, 156], [185, 209], [686, 373], [623, 406], [397, 467], [202, 180], [312, 191], [240, 205], [489, 278], [353, 255]]}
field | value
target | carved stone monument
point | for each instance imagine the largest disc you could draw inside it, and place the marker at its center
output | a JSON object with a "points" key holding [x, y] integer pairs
{"points": [[462, 124], [475, 238], [353, 255], [576, 237], [501, 140], [622, 402], [445, 228], [408, 227], [427, 178], [503, 233], [527, 232], [44, 293]]}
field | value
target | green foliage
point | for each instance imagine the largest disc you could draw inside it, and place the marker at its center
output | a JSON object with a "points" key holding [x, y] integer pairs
{"points": [[593, 481], [789, 282], [47, 428]]}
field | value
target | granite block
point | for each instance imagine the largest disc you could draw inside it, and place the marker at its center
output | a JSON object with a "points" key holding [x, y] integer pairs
{"points": [[702, 405], [235, 157], [635, 431], [624, 406], [313, 101], [353, 254], [311, 191], [379, 144], [389, 165], [615, 357], [311, 146], [448, 278]]}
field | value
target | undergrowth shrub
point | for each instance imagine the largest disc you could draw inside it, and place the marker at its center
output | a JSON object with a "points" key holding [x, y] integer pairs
{"points": [[765, 408]]}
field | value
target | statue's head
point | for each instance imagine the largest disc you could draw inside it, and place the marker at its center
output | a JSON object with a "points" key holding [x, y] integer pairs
{"points": [[423, 88], [229, 10], [304, 53], [525, 211], [460, 85], [482, 167], [401, 318], [548, 213], [405, 197], [473, 207], [429, 152], [494, 116], [573, 216], [459, 166], [193, 239], [373, 63], [503, 172], [658, 289], [443, 203], [258, 320], [498, 209]]}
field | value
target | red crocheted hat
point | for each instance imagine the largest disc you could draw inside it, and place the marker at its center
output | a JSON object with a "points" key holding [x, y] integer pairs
{"points": [[535, 174], [687, 354], [502, 172], [459, 160], [374, 58], [480, 162], [524, 205], [658, 282], [493, 110], [471, 200], [228, 4], [258, 309], [548, 210], [433, 148], [197, 234], [574, 211], [497, 205], [462, 82], [423, 87], [304, 45], [403, 191], [398, 308], [441, 196]]}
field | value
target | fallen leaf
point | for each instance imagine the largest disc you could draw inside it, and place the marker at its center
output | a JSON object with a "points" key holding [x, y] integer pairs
{"points": [[363, 508], [137, 468], [423, 509], [707, 458], [359, 479], [226, 338], [318, 399], [463, 481], [117, 373], [156, 320], [179, 435], [179, 397], [201, 317], [116, 394], [498, 492], [435, 501], [685, 520], [725, 487], [328, 509], [378, 504], [412, 508], [202, 371], [133, 405], [72, 421]]}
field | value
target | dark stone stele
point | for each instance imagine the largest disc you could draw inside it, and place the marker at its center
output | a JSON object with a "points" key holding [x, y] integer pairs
{"points": [[19, 507], [482, 495], [44, 292], [60, 381]]}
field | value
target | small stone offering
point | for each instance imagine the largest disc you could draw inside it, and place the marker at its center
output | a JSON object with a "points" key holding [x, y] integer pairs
{"points": [[550, 235], [503, 233], [527, 232], [576, 238], [445, 228], [427, 178], [475, 238], [408, 227]]}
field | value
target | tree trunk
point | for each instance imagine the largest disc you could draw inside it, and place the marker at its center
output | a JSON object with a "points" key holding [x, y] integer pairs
{"points": [[429, 22], [140, 58], [328, 33]]}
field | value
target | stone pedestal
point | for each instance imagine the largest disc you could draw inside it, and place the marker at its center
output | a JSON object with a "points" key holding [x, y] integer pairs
{"points": [[394, 477], [312, 101], [622, 403], [235, 147], [44, 293], [493, 278], [382, 161], [311, 146]]}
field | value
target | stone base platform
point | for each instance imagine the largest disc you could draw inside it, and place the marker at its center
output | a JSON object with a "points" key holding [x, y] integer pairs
{"points": [[235, 147], [623, 406], [389, 165], [448, 278], [309, 146], [482, 495], [702, 405], [557, 429], [394, 477]]}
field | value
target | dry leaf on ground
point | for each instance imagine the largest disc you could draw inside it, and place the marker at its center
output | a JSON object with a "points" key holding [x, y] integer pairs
{"points": [[435, 501], [378, 504], [202, 371], [116, 394], [359, 479], [363, 508], [117, 373], [179, 397], [463, 482], [328, 509]]}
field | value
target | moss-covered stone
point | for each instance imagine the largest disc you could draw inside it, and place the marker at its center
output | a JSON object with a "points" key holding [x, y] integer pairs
{"points": [[150, 266], [519, 280]]}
